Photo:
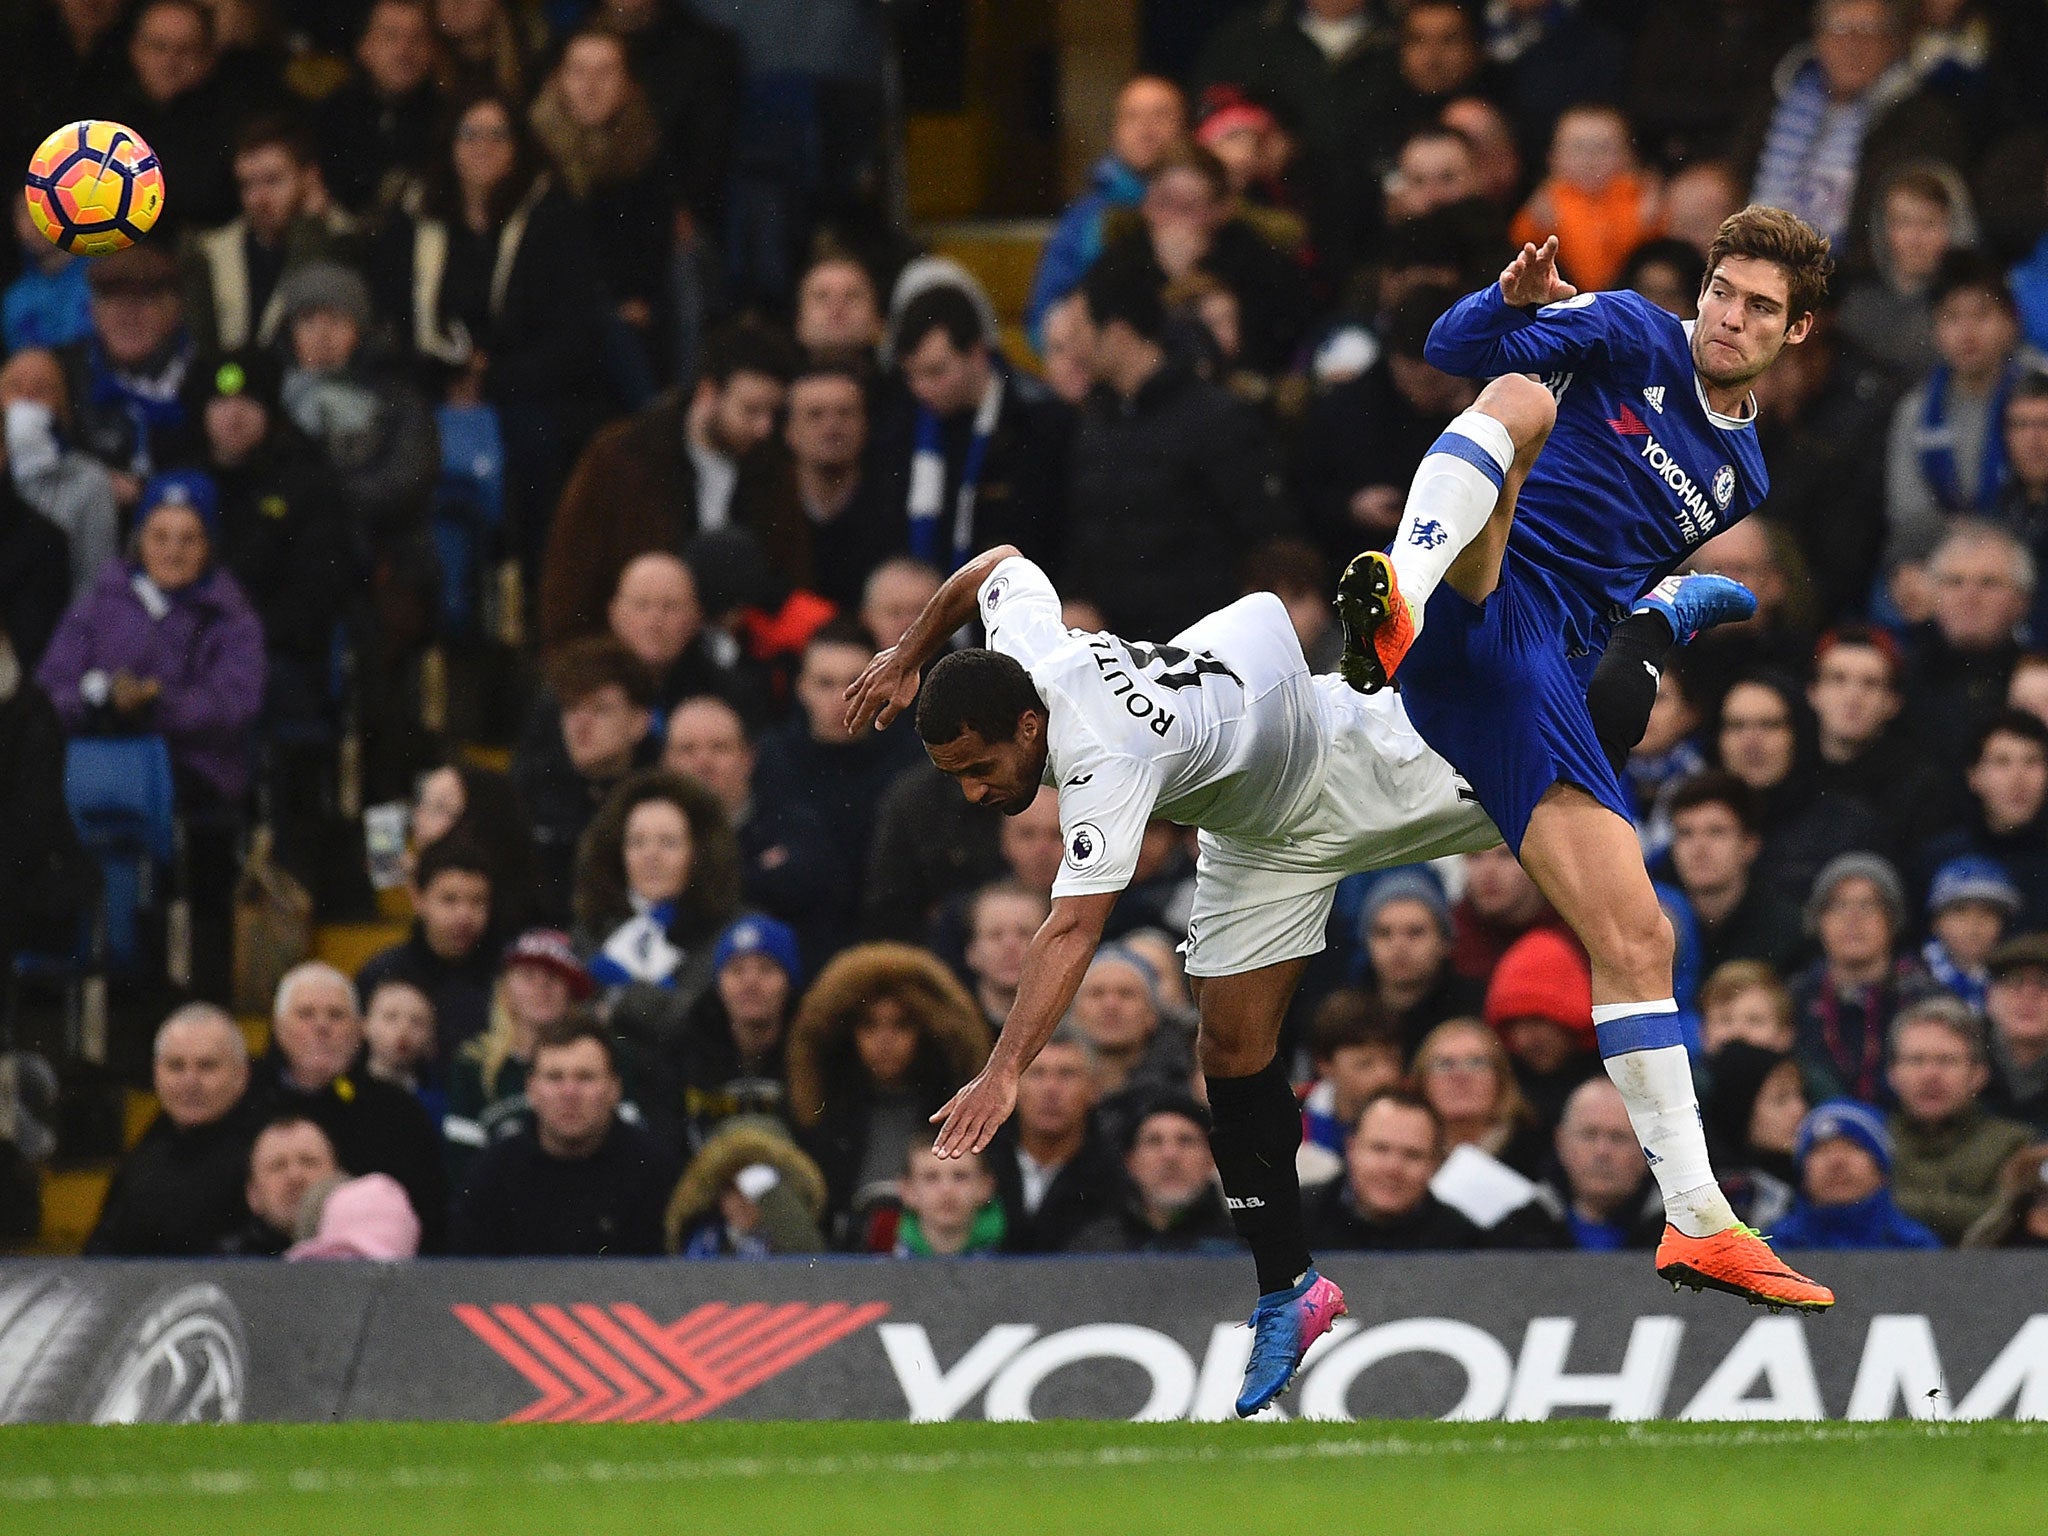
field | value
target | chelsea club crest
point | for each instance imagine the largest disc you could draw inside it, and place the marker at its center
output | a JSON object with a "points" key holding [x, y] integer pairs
{"points": [[1724, 486]]}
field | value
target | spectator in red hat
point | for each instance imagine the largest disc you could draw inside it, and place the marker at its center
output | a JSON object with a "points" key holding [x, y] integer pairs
{"points": [[1234, 130], [1541, 1002], [1325, 66], [539, 979], [1252, 148]]}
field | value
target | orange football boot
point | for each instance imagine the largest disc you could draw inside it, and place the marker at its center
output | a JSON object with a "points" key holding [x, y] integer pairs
{"points": [[1741, 1263], [1378, 628]]}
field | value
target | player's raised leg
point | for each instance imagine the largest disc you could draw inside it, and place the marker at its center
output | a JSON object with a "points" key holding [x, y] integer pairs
{"points": [[1586, 860], [1454, 527], [1255, 1131]]}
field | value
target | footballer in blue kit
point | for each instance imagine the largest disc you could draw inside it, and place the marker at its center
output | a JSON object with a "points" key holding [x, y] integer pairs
{"points": [[1541, 528], [1639, 471]]}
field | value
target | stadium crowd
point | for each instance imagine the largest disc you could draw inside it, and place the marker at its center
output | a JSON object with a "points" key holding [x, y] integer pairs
{"points": [[544, 374]]}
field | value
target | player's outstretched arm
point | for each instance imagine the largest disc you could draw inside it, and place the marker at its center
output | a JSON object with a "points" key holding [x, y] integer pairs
{"points": [[888, 684], [1053, 968], [1532, 321]]}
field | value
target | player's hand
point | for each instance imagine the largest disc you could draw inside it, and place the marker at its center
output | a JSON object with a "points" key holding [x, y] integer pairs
{"points": [[1531, 278], [885, 688], [969, 1120]]}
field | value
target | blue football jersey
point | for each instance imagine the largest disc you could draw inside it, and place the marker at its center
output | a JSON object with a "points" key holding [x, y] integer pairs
{"points": [[1638, 472]]}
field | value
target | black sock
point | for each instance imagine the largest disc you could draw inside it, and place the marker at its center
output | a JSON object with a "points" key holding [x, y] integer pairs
{"points": [[1624, 684], [1256, 1133]]}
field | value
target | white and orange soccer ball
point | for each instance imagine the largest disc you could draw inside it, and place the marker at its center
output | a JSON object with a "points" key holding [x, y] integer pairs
{"points": [[94, 187]]}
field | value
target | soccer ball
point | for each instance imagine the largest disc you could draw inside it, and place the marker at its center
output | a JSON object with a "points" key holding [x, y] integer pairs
{"points": [[94, 187]]}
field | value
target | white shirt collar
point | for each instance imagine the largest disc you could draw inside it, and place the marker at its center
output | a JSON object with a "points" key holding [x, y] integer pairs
{"points": [[1334, 36], [1720, 419], [717, 476]]}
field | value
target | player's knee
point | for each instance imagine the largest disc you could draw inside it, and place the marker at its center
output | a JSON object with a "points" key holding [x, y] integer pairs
{"points": [[1645, 946], [1521, 405], [1223, 1056]]}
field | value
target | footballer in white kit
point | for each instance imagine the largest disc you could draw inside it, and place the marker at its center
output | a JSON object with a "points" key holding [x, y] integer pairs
{"points": [[1293, 781]]}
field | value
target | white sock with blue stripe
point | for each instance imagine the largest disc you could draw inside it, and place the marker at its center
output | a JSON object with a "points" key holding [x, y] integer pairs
{"points": [[1644, 1053], [1454, 492]]}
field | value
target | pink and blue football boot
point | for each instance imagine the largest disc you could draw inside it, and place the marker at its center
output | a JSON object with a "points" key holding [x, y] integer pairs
{"points": [[1283, 1325]]}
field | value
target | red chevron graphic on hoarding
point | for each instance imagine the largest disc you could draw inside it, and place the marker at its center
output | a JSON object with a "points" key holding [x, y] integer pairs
{"points": [[594, 1364]]}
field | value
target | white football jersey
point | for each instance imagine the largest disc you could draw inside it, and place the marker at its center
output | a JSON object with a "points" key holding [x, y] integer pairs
{"points": [[1217, 728]]}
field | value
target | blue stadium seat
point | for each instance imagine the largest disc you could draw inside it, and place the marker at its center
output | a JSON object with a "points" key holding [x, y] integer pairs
{"points": [[121, 797], [469, 510]]}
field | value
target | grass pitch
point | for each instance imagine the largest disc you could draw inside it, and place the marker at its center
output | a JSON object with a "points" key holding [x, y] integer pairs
{"points": [[1559, 1479]]}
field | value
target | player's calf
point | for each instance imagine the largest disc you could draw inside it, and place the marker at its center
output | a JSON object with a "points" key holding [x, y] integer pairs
{"points": [[1255, 1132]]}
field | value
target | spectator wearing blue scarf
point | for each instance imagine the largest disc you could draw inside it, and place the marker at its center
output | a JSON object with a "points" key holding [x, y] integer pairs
{"points": [[657, 880], [127, 379], [1844, 111], [977, 454], [1946, 451], [1969, 905]]}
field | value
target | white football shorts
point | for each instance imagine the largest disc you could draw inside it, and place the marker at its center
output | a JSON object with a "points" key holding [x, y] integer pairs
{"points": [[1386, 799]]}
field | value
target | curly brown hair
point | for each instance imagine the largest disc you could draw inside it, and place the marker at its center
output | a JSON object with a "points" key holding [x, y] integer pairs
{"points": [[712, 895], [1787, 242]]}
